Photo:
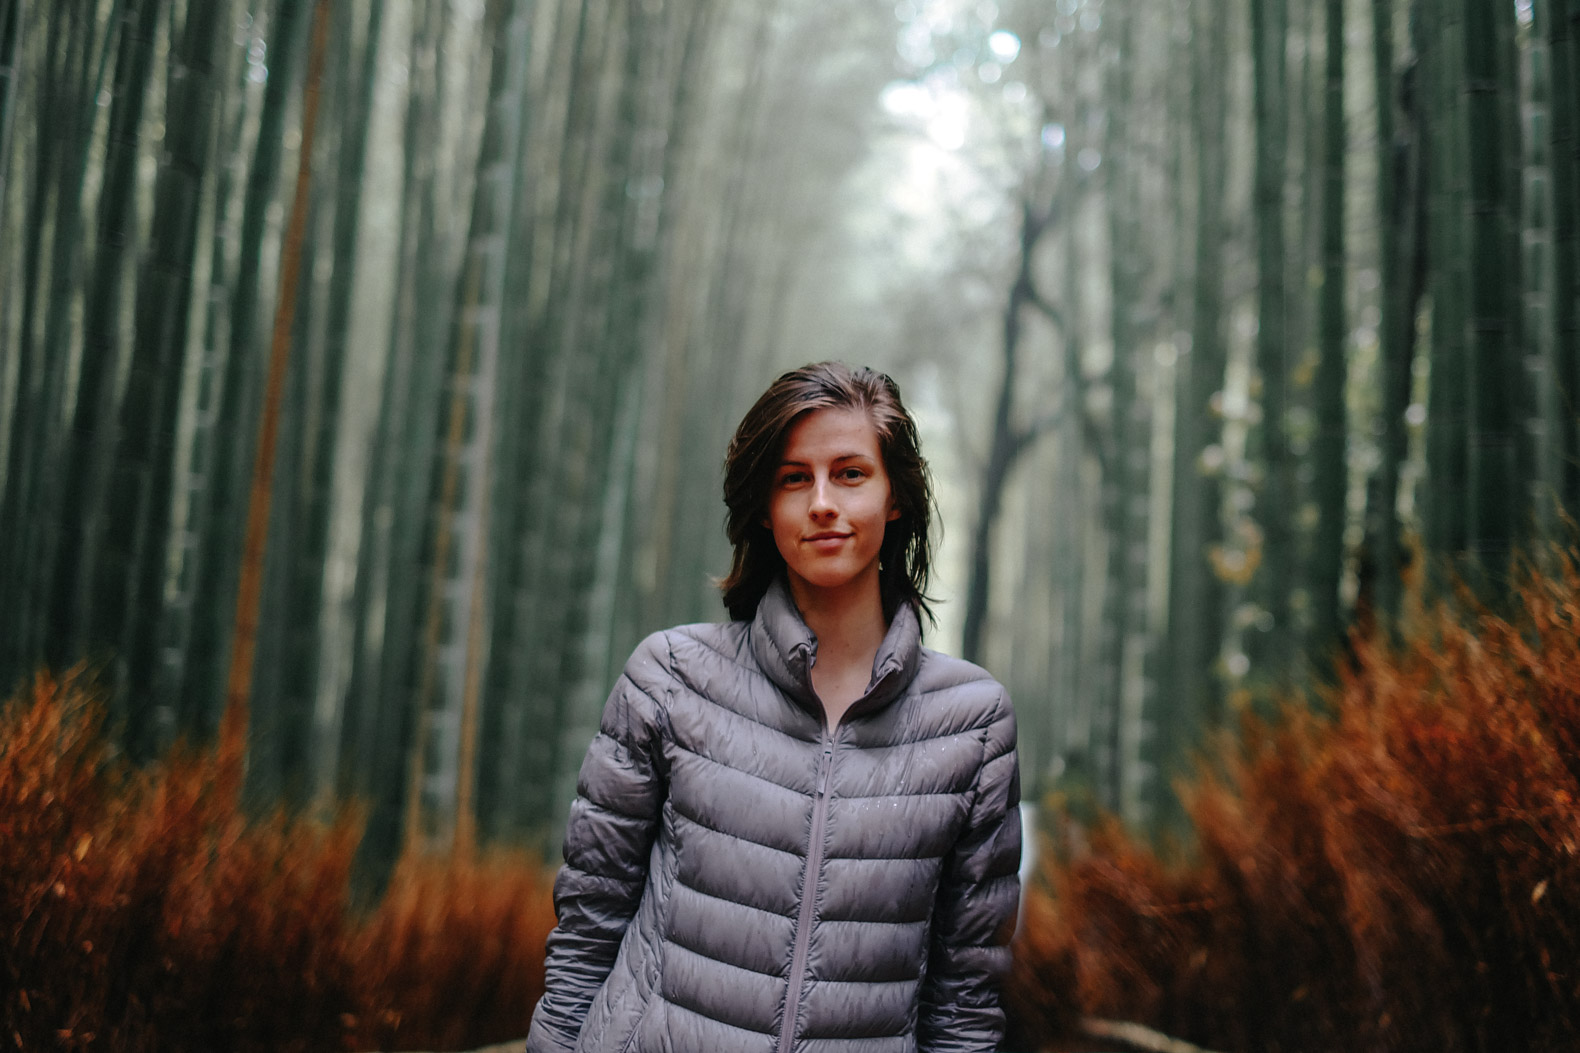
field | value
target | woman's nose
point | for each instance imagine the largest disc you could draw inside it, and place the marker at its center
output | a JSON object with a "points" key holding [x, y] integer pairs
{"points": [[822, 497]]}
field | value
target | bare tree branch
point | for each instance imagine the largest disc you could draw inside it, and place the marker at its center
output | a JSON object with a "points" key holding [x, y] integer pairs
{"points": [[1035, 298]]}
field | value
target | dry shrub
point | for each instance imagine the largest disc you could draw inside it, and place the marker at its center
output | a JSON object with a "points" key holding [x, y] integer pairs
{"points": [[453, 956], [1397, 873], [1039, 994], [142, 910]]}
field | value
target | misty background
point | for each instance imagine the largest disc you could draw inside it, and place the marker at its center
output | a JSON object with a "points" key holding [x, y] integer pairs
{"points": [[1230, 328]]}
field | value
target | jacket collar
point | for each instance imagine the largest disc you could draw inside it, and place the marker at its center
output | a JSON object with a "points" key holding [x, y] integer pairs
{"points": [[785, 649]]}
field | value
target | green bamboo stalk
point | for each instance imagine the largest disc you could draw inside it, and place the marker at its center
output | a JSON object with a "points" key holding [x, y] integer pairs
{"points": [[1564, 362], [284, 685], [695, 26], [356, 91], [233, 728], [554, 518], [11, 39], [1496, 498], [1526, 374], [276, 739], [77, 111], [1196, 596], [1445, 520], [200, 722], [1395, 212], [411, 538], [1269, 44], [453, 652], [77, 130], [1535, 243], [1330, 483], [131, 572], [28, 419], [1173, 731], [89, 441], [568, 134], [519, 401], [231, 446], [1125, 477], [602, 383], [377, 726]]}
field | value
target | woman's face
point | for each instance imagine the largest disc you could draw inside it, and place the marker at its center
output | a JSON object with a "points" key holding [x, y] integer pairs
{"points": [[831, 501]]}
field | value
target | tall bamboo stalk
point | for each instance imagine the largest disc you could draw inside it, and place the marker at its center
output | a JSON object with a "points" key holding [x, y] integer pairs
{"points": [[49, 450], [1196, 596], [233, 728], [132, 569], [88, 442], [1395, 214], [379, 721], [1565, 351], [1496, 491], [453, 651], [197, 716], [1330, 483], [1269, 44], [232, 450], [1447, 456], [29, 419], [10, 88], [356, 94]]}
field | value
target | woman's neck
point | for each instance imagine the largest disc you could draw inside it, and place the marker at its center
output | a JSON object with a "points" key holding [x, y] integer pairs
{"points": [[849, 625]]}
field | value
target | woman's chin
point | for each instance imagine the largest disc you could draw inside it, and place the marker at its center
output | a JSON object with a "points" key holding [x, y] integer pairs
{"points": [[833, 577]]}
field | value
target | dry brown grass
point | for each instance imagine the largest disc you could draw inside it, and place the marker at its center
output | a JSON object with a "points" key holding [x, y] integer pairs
{"points": [[453, 957], [1400, 874], [142, 910]]}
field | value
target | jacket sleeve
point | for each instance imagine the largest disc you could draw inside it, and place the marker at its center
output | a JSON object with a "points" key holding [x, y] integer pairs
{"points": [[619, 799], [974, 916]]}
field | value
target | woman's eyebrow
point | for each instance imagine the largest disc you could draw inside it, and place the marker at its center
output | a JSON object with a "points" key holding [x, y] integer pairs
{"points": [[853, 456]]}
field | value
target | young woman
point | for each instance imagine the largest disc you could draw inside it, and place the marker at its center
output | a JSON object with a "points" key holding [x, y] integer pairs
{"points": [[796, 830]]}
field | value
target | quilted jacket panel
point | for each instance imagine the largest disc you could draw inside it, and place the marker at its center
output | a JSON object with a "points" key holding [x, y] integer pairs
{"points": [[713, 802]]}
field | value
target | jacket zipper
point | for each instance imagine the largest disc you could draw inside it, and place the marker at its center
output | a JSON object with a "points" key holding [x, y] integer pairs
{"points": [[803, 928]]}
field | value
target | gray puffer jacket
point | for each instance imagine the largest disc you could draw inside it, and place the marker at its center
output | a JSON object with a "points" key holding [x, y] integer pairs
{"points": [[738, 878]]}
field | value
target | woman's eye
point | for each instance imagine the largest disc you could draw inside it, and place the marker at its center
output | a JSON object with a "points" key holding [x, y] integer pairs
{"points": [[852, 474]]}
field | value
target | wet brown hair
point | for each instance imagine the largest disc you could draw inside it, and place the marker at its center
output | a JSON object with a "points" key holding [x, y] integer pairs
{"points": [[753, 460]]}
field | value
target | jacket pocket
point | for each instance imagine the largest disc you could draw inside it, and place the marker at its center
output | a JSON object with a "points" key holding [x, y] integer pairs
{"points": [[630, 1040], [629, 1045]]}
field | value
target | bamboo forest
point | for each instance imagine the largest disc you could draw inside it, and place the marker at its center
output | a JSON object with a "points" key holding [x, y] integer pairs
{"points": [[367, 369]]}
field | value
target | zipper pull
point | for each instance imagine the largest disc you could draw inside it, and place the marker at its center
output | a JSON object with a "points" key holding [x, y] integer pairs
{"points": [[828, 762]]}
